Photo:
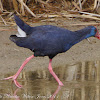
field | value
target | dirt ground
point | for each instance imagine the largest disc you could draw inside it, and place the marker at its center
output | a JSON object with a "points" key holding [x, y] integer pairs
{"points": [[12, 56]]}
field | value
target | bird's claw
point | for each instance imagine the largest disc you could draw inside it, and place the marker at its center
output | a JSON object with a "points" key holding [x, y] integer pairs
{"points": [[14, 79]]}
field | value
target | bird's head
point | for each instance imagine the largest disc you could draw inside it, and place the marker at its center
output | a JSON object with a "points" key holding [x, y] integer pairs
{"points": [[94, 32], [97, 34], [91, 31]]}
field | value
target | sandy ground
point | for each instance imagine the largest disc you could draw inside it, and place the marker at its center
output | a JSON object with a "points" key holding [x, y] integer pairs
{"points": [[11, 56]]}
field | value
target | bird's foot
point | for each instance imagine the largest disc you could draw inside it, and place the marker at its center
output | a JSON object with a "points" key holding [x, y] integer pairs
{"points": [[14, 79]]}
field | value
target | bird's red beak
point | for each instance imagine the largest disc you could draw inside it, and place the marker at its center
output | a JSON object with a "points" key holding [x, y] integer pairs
{"points": [[97, 35]]}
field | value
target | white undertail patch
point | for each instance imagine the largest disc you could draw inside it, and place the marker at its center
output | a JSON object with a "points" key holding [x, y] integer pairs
{"points": [[20, 33]]}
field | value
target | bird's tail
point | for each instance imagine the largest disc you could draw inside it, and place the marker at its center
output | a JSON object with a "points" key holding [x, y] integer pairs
{"points": [[14, 38], [22, 26], [19, 41]]}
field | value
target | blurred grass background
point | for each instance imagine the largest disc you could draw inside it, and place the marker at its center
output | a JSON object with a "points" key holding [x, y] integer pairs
{"points": [[88, 9]]}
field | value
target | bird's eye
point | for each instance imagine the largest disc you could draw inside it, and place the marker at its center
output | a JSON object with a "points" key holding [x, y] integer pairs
{"points": [[95, 30]]}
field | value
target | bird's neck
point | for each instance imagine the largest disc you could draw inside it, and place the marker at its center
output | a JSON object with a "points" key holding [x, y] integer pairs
{"points": [[81, 35]]}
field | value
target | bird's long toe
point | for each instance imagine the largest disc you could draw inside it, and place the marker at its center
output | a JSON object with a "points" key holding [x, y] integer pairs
{"points": [[14, 79], [17, 84], [11, 77]]}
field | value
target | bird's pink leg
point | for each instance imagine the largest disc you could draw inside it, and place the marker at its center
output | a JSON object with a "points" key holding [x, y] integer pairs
{"points": [[55, 93], [14, 77], [54, 75]]}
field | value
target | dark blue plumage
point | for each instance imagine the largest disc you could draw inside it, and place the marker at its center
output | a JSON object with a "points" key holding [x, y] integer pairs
{"points": [[48, 40]]}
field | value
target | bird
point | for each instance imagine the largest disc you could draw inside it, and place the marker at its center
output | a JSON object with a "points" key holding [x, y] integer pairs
{"points": [[47, 40]]}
